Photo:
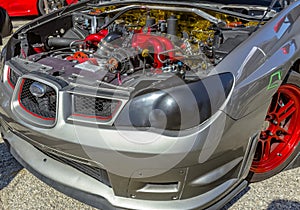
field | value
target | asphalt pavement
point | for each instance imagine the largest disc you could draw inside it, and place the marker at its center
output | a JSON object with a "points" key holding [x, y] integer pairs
{"points": [[20, 190]]}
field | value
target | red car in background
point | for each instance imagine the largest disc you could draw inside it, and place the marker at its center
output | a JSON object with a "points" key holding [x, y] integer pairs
{"points": [[33, 7]]}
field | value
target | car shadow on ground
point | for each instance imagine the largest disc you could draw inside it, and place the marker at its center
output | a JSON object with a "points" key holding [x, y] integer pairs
{"points": [[274, 205], [284, 205], [9, 167], [18, 22]]}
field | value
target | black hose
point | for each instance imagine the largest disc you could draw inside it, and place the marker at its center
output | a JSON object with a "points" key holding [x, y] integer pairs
{"points": [[59, 42]]}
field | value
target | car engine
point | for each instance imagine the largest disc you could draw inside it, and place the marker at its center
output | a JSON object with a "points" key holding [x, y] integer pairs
{"points": [[122, 45]]}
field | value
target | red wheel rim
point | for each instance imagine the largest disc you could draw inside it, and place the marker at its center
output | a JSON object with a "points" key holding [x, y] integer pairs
{"points": [[282, 128]]}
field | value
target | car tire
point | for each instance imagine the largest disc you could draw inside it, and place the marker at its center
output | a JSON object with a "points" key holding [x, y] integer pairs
{"points": [[5, 23], [274, 154], [52, 5]]}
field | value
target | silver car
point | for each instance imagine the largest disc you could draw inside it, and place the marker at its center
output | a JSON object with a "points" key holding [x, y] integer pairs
{"points": [[154, 104]]}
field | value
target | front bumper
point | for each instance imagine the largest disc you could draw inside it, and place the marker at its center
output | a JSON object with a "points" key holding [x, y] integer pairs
{"points": [[83, 187], [146, 170]]}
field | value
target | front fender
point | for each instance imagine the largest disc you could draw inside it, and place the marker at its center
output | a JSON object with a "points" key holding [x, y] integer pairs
{"points": [[261, 63]]}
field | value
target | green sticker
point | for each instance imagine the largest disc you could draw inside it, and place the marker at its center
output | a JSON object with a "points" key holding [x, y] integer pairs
{"points": [[274, 80]]}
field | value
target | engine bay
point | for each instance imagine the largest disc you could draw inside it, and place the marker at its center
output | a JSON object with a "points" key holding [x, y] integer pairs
{"points": [[124, 44]]}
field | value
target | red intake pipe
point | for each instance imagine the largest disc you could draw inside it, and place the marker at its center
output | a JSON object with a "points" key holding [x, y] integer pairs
{"points": [[157, 43]]}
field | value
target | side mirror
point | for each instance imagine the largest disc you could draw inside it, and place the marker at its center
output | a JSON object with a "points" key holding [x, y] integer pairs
{"points": [[5, 24]]}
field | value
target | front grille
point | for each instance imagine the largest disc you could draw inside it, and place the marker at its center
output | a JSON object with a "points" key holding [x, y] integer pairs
{"points": [[44, 106], [12, 77], [95, 172], [101, 108]]}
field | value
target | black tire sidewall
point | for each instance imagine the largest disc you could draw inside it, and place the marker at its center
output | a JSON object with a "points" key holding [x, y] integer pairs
{"points": [[41, 7]]}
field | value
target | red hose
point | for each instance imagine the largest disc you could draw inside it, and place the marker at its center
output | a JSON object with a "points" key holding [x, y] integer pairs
{"points": [[94, 39]]}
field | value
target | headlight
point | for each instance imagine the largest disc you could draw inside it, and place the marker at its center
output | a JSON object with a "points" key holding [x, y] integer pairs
{"points": [[175, 104]]}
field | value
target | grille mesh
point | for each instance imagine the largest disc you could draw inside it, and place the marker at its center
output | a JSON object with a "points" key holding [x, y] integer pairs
{"points": [[94, 107], [95, 172], [44, 106]]}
